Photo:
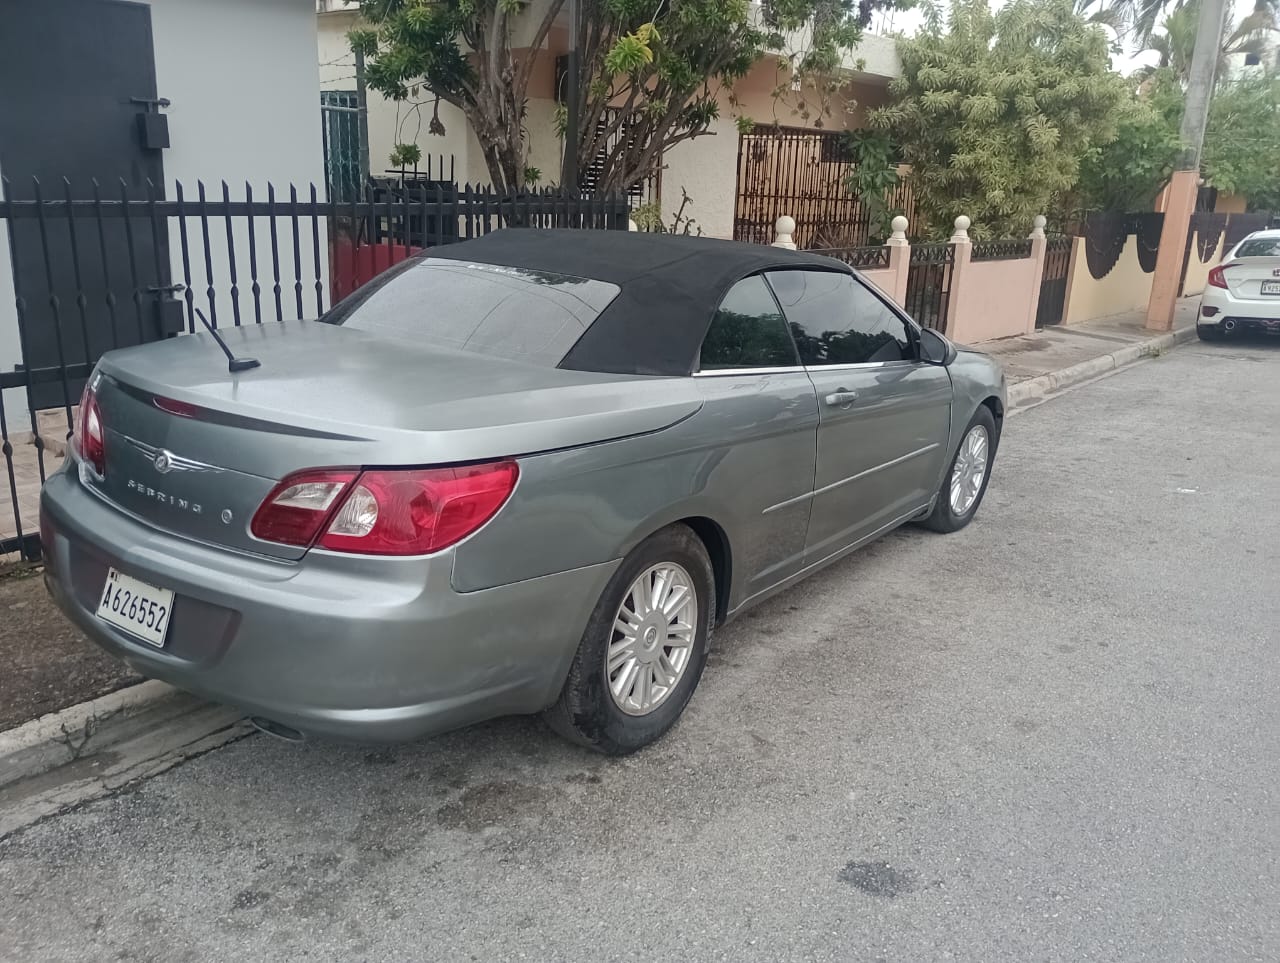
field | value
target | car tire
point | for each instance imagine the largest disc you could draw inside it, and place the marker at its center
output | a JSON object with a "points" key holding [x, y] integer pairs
{"points": [[1209, 332], [591, 710], [952, 514]]}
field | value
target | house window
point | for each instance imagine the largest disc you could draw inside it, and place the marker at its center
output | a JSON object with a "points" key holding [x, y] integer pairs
{"points": [[340, 126]]}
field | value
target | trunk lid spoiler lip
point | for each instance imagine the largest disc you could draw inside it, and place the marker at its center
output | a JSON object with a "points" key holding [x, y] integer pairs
{"points": [[218, 416]]}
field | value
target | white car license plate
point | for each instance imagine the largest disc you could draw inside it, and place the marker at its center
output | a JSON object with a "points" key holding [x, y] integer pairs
{"points": [[1271, 287], [138, 607]]}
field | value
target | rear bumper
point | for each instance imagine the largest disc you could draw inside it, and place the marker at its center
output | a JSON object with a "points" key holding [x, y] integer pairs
{"points": [[358, 648], [1218, 307], [1241, 325]]}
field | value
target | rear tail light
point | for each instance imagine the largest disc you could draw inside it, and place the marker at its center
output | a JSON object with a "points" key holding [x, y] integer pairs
{"points": [[413, 511], [296, 508], [89, 436], [1216, 278]]}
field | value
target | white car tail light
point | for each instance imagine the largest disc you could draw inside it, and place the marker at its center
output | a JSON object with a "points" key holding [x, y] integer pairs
{"points": [[413, 511], [89, 437], [1216, 278]]}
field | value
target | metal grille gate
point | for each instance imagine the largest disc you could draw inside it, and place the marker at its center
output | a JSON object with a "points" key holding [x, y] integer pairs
{"points": [[1053, 283], [801, 173], [929, 284]]}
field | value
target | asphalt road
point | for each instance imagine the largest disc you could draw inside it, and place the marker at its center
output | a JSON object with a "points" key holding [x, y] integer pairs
{"points": [[1054, 736]]}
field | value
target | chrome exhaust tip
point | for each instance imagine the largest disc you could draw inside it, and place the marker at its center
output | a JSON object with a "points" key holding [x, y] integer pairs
{"points": [[1229, 324], [277, 729]]}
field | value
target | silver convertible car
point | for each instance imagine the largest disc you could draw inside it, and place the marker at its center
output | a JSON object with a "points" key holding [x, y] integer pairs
{"points": [[526, 473]]}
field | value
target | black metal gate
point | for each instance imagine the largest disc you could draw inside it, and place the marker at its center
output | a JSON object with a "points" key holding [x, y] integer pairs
{"points": [[929, 284], [1053, 283], [79, 85], [801, 173]]}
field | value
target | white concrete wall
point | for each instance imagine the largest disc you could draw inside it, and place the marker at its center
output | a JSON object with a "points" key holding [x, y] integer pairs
{"points": [[15, 403], [244, 86]]}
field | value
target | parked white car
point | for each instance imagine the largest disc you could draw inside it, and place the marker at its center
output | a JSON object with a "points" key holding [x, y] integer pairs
{"points": [[1243, 293]]}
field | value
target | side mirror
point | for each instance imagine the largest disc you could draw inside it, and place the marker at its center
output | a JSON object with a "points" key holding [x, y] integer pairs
{"points": [[935, 349]]}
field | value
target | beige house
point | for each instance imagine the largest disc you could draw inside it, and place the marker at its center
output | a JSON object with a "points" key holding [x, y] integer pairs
{"points": [[728, 186]]}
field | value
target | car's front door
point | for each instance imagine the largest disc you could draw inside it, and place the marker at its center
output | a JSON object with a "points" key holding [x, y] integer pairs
{"points": [[884, 414]]}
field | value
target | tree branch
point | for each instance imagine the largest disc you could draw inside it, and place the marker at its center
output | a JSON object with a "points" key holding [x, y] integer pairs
{"points": [[539, 35]]}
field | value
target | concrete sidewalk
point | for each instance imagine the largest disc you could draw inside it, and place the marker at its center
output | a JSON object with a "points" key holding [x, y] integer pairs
{"points": [[1055, 357]]}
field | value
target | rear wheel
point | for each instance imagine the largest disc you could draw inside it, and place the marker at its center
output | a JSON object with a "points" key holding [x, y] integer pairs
{"points": [[644, 648], [1209, 332], [966, 479]]}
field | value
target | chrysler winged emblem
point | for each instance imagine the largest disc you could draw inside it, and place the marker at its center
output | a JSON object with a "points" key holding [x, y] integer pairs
{"points": [[165, 461]]}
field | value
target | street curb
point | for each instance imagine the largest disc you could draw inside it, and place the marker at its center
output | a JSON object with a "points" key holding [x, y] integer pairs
{"points": [[1043, 386], [67, 758]]}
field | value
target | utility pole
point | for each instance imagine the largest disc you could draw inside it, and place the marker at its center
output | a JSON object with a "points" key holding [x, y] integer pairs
{"points": [[362, 120], [1184, 184], [569, 173]]}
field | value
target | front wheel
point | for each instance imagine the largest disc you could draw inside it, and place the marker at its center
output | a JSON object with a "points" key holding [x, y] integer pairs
{"points": [[966, 480], [644, 648]]}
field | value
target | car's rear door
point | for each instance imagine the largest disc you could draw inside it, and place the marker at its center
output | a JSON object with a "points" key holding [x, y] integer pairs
{"points": [[761, 420], [884, 415]]}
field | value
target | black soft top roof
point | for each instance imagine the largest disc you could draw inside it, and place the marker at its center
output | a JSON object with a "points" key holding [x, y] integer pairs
{"points": [[670, 287]]}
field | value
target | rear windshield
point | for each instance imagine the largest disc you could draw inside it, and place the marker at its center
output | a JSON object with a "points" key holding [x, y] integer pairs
{"points": [[1259, 247], [506, 312]]}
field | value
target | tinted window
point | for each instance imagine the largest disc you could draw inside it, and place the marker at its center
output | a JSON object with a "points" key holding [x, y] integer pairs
{"points": [[836, 320], [748, 331], [1260, 247], [506, 312]]}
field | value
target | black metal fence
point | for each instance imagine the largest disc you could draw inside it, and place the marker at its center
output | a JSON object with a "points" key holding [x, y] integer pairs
{"points": [[929, 284], [876, 256], [95, 269], [1006, 250]]}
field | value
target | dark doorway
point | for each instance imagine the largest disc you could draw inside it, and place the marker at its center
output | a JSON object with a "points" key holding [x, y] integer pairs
{"points": [[76, 75]]}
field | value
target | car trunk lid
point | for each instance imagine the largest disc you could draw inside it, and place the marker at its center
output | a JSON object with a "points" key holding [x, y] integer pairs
{"points": [[194, 450], [1253, 278]]}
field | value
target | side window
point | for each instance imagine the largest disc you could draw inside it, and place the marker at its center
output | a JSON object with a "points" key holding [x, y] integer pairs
{"points": [[748, 331], [837, 320]]}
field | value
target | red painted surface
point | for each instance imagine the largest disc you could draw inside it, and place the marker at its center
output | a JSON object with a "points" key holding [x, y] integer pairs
{"points": [[351, 266]]}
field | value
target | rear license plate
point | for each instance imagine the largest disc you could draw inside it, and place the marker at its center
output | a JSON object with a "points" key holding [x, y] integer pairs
{"points": [[138, 607], [1271, 287]]}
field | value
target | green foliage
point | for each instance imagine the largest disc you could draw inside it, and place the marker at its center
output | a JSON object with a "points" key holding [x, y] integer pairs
{"points": [[648, 217], [1241, 152], [405, 155], [658, 69], [996, 110], [873, 175], [533, 176], [1242, 140], [1128, 173]]}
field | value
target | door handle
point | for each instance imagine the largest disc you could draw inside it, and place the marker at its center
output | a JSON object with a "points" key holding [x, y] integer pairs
{"points": [[841, 399]]}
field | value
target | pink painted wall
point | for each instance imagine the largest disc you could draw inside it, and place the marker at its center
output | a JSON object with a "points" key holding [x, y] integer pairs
{"points": [[883, 278], [992, 300]]}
